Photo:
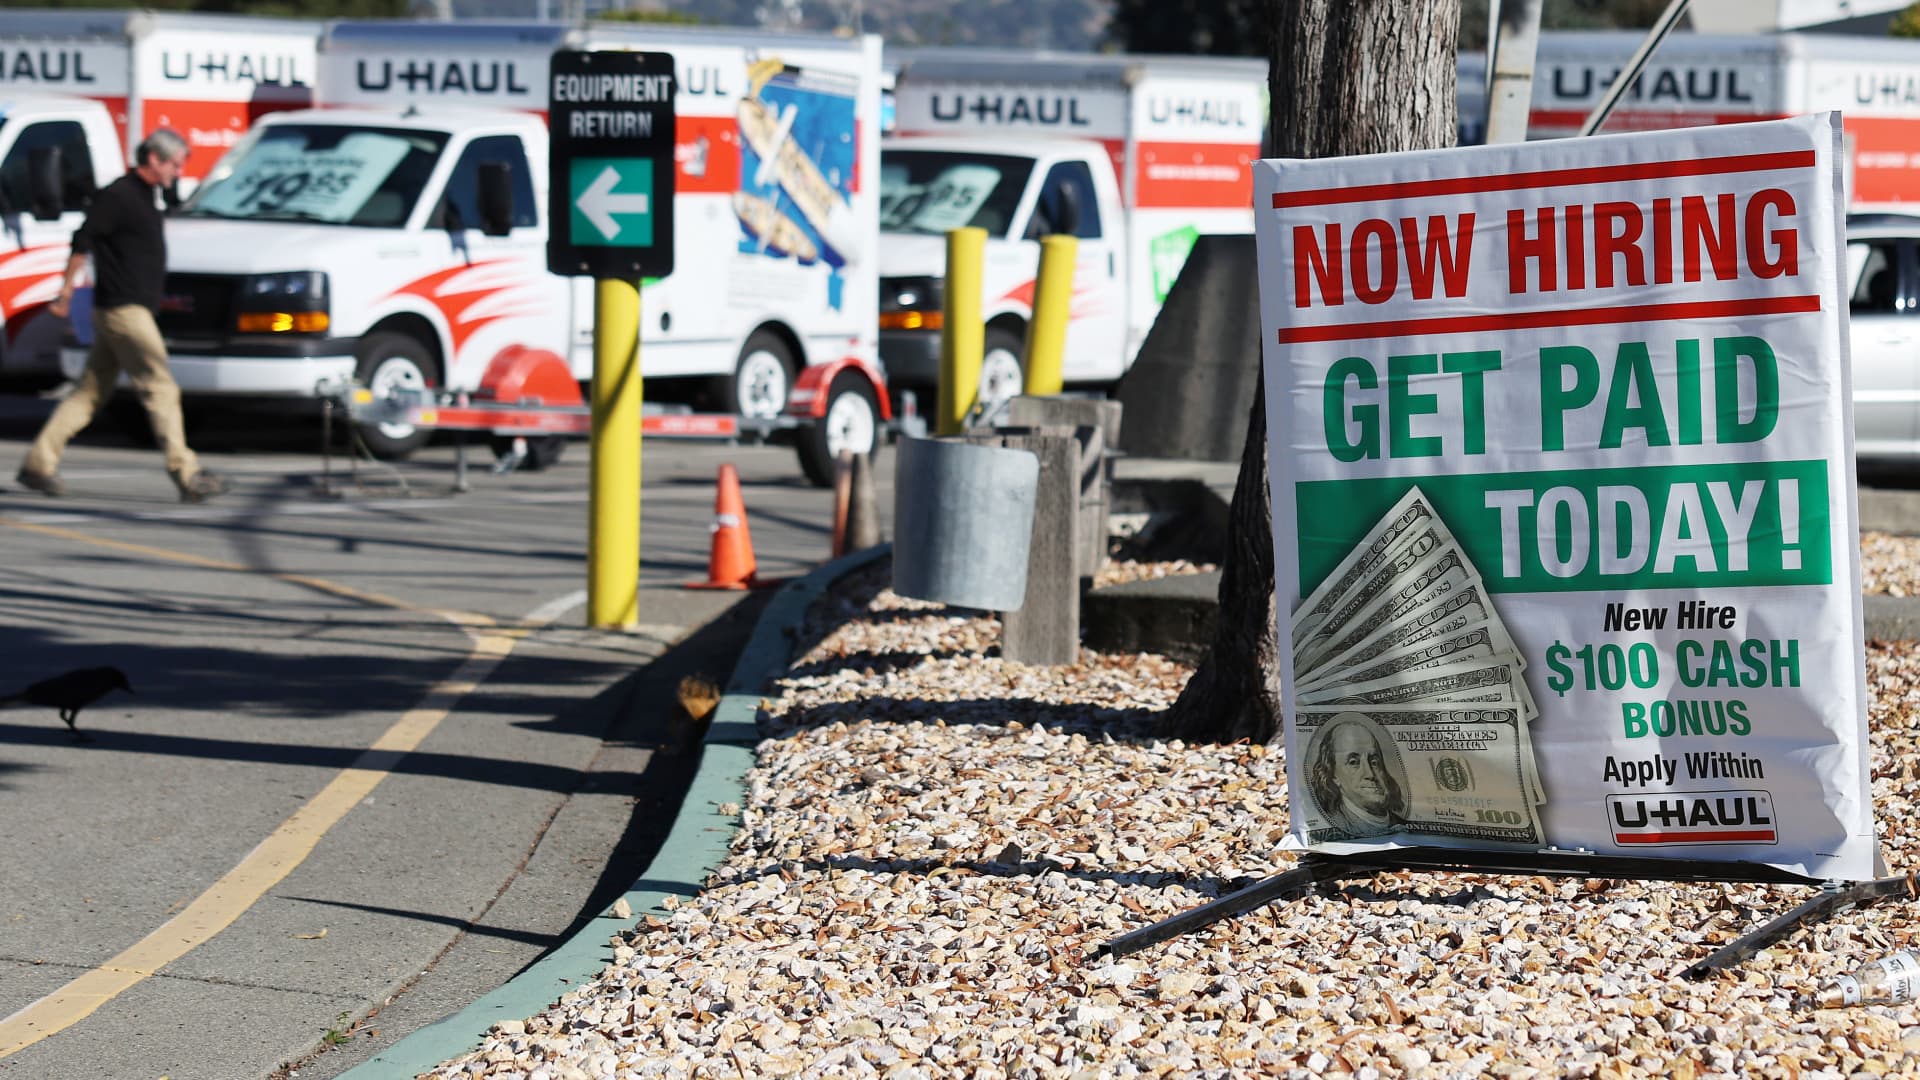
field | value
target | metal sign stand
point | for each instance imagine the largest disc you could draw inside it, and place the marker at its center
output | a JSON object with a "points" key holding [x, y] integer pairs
{"points": [[1317, 868]]}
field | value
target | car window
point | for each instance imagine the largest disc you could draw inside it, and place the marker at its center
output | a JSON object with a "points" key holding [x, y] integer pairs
{"points": [[76, 166], [461, 207], [1874, 275], [1049, 212]]}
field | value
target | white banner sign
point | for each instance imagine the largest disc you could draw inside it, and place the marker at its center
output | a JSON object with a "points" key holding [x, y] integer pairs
{"points": [[1563, 490]]}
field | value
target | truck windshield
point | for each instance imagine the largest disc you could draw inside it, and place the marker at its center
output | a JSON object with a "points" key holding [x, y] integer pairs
{"points": [[932, 191], [329, 173]]}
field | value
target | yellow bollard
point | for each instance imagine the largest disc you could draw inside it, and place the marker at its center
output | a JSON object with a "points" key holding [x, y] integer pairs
{"points": [[963, 336], [613, 528], [1052, 303]]}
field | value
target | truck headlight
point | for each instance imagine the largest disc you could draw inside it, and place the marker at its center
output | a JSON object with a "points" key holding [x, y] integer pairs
{"points": [[294, 302], [912, 303]]}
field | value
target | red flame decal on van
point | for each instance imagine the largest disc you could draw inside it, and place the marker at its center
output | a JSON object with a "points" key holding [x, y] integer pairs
{"points": [[472, 295], [24, 276]]}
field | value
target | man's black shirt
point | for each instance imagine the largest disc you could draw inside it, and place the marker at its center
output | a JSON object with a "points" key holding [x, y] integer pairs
{"points": [[125, 234]]}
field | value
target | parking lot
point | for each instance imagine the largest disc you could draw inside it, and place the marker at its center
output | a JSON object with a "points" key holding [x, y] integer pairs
{"points": [[370, 746]]}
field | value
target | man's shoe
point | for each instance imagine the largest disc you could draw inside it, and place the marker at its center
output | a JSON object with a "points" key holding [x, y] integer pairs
{"points": [[203, 486], [44, 483]]}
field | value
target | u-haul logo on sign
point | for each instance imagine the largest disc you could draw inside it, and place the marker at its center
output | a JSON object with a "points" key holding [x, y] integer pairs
{"points": [[1692, 818]]}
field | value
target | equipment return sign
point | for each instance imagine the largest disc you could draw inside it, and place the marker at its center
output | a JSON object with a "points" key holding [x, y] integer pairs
{"points": [[611, 121]]}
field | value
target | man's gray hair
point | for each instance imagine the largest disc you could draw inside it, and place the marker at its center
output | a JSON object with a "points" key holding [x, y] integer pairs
{"points": [[163, 143]]}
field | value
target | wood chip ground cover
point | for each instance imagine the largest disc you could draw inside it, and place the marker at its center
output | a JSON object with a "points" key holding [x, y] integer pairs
{"points": [[936, 841]]}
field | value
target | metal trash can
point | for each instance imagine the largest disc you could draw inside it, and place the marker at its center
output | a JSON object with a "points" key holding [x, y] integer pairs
{"points": [[962, 523]]}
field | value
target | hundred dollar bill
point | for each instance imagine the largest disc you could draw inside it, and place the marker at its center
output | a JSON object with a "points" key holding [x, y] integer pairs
{"points": [[1386, 534], [1495, 680], [1476, 642], [1428, 608], [1416, 772], [1386, 576], [1444, 571], [1430, 538]]}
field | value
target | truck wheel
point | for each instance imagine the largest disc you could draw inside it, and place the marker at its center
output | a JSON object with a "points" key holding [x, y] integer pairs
{"points": [[1001, 376], [852, 423], [760, 381], [387, 362]]}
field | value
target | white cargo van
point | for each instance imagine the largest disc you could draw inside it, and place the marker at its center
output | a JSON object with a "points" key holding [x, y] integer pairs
{"points": [[90, 85], [54, 154], [398, 233], [1136, 156]]}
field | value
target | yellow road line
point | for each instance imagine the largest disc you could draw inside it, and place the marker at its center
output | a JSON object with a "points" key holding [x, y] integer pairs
{"points": [[290, 844]]}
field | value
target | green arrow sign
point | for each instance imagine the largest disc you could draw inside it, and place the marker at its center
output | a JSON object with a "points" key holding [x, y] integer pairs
{"points": [[611, 202]]}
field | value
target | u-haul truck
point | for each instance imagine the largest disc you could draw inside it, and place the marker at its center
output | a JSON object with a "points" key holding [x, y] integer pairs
{"points": [[1697, 79], [90, 85], [355, 239], [1137, 156]]}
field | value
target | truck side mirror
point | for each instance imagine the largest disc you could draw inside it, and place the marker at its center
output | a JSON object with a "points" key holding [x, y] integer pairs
{"points": [[496, 198], [43, 182], [1069, 211]]}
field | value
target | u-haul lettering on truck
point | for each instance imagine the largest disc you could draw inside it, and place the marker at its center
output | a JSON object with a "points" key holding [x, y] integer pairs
{"points": [[1038, 110], [24, 65], [426, 76], [221, 66], [1197, 112], [1704, 85]]}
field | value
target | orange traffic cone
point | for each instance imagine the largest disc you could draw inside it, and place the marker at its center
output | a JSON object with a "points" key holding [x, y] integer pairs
{"points": [[730, 563]]}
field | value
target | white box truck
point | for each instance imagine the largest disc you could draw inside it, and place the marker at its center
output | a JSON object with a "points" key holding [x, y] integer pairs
{"points": [[397, 234], [1137, 156], [1697, 79], [88, 86]]}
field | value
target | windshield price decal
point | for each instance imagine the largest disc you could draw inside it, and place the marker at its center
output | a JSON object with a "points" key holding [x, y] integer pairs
{"points": [[277, 180]]}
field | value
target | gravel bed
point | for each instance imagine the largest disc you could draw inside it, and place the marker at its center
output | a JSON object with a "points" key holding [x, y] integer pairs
{"points": [[936, 841], [1889, 564]]}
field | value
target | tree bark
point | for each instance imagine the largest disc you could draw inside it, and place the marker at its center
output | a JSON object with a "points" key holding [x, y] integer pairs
{"points": [[1346, 77]]}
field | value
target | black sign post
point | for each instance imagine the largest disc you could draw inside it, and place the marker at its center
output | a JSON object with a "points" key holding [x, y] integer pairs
{"points": [[610, 164]]}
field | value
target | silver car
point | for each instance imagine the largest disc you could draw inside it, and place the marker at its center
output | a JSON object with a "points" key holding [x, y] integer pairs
{"points": [[1884, 306]]}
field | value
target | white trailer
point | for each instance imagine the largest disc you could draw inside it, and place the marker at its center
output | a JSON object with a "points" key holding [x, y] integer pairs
{"points": [[1136, 155]]}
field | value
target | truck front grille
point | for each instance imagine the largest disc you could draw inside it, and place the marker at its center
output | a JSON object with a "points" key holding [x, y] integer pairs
{"points": [[198, 305]]}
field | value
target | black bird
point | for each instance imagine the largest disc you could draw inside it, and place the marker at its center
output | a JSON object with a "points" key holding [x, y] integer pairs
{"points": [[72, 692]]}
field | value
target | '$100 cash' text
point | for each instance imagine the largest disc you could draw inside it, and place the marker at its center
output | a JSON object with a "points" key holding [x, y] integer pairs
{"points": [[1708, 664]]}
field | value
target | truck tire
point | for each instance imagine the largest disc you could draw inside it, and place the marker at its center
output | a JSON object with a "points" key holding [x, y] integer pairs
{"points": [[388, 361], [1002, 374], [852, 422], [761, 378]]}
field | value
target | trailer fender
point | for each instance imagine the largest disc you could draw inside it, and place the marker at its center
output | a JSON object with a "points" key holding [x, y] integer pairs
{"points": [[810, 398], [524, 375]]}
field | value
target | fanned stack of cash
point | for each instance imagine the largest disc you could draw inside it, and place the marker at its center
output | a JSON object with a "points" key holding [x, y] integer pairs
{"points": [[1409, 698]]}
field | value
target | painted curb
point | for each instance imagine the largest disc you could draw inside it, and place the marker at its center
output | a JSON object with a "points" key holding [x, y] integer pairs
{"points": [[695, 845]]}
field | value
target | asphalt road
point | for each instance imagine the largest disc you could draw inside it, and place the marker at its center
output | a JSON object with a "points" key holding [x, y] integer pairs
{"points": [[374, 764]]}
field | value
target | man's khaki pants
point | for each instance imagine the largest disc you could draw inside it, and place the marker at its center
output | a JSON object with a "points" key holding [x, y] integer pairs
{"points": [[126, 341]]}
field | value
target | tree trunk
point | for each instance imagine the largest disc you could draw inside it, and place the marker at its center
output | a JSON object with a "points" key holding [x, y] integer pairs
{"points": [[1346, 77]]}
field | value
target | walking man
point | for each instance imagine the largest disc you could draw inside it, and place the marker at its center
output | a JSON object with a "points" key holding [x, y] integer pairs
{"points": [[127, 239]]}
